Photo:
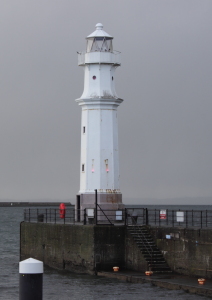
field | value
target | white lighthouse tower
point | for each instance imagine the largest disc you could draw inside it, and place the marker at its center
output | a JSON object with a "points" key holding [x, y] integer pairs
{"points": [[99, 166]]}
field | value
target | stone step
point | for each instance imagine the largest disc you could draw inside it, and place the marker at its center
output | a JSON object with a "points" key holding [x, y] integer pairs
{"points": [[165, 269], [145, 242], [148, 248], [154, 256], [150, 253], [141, 243], [141, 231], [143, 238], [162, 272], [155, 262]]}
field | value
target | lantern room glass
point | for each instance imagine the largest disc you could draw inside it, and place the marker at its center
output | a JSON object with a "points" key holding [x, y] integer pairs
{"points": [[100, 44]]}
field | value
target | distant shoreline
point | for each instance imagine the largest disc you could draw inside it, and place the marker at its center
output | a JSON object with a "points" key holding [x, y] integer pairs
{"points": [[23, 204]]}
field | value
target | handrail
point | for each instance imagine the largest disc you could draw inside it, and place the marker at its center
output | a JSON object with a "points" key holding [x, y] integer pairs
{"points": [[140, 234]]}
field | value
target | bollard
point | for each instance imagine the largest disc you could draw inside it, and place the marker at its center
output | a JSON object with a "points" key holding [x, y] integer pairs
{"points": [[31, 279]]}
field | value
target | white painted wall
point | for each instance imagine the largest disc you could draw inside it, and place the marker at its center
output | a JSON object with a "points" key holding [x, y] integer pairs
{"points": [[99, 143]]}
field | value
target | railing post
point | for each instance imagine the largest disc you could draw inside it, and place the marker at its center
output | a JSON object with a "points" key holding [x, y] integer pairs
{"points": [[167, 216], [206, 220], [84, 216], [143, 215], [159, 217], [155, 216], [192, 218], [55, 211], [29, 215], [46, 215], [74, 215], [96, 221], [201, 218], [172, 218], [147, 217], [125, 216]]}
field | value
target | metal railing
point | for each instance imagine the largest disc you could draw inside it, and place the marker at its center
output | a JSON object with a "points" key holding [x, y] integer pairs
{"points": [[127, 216], [50, 215], [170, 218], [72, 216]]}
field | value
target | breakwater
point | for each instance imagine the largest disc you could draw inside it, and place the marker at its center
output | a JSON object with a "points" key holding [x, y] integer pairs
{"points": [[76, 248], [186, 250], [90, 248]]}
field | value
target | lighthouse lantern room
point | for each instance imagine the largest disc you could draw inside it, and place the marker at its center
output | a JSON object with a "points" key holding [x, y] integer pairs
{"points": [[99, 166]]}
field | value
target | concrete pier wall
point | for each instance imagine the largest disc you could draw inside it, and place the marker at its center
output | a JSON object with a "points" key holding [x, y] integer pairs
{"points": [[75, 248], [89, 248], [188, 252]]}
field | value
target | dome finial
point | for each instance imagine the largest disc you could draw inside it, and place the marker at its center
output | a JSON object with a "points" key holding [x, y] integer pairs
{"points": [[99, 26]]}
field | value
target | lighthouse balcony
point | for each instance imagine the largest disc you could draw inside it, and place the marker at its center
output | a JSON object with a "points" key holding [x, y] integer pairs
{"points": [[99, 58]]}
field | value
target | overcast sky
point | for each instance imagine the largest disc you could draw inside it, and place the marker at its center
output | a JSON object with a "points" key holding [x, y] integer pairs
{"points": [[165, 79]]}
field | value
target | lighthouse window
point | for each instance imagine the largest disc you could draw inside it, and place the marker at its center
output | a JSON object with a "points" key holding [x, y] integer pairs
{"points": [[110, 45], [89, 44], [99, 44], [83, 129], [83, 167], [112, 77], [94, 77]]}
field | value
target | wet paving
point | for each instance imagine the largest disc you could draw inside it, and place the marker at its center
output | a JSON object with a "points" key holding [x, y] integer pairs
{"points": [[168, 281]]}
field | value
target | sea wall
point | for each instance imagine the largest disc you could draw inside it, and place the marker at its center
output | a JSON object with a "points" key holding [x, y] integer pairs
{"points": [[188, 251], [75, 248], [89, 248]]}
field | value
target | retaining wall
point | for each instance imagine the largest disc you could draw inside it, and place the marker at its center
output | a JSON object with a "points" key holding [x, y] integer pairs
{"points": [[188, 252], [91, 248], [75, 248]]}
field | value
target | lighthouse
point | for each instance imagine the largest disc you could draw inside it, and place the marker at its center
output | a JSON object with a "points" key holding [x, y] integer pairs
{"points": [[99, 161]]}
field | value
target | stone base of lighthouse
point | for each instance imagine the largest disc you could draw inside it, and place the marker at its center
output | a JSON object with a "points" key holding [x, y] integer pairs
{"points": [[108, 204]]}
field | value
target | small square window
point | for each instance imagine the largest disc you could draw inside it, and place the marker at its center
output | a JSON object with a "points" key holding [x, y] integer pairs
{"points": [[83, 167]]}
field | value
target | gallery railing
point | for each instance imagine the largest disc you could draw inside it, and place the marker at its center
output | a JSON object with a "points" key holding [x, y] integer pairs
{"points": [[127, 216]]}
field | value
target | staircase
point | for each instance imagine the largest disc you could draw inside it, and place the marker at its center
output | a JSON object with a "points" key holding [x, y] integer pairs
{"points": [[148, 248]]}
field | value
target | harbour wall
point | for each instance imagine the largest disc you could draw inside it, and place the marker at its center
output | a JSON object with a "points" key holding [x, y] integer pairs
{"points": [[88, 249], [77, 248], [187, 251]]}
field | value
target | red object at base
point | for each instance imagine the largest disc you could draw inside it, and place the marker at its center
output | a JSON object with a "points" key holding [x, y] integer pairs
{"points": [[62, 210]]}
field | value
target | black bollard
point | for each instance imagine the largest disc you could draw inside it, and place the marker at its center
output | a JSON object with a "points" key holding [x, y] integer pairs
{"points": [[31, 279]]}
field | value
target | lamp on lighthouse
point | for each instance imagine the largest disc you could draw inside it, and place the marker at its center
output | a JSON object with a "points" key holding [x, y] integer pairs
{"points": [[99, 40]]}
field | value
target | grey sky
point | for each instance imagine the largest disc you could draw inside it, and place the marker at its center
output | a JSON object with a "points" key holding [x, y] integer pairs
{"points": [[165, 80]]}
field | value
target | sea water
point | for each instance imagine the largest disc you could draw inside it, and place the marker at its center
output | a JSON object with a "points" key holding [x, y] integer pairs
{"points": [[66, 285]]}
